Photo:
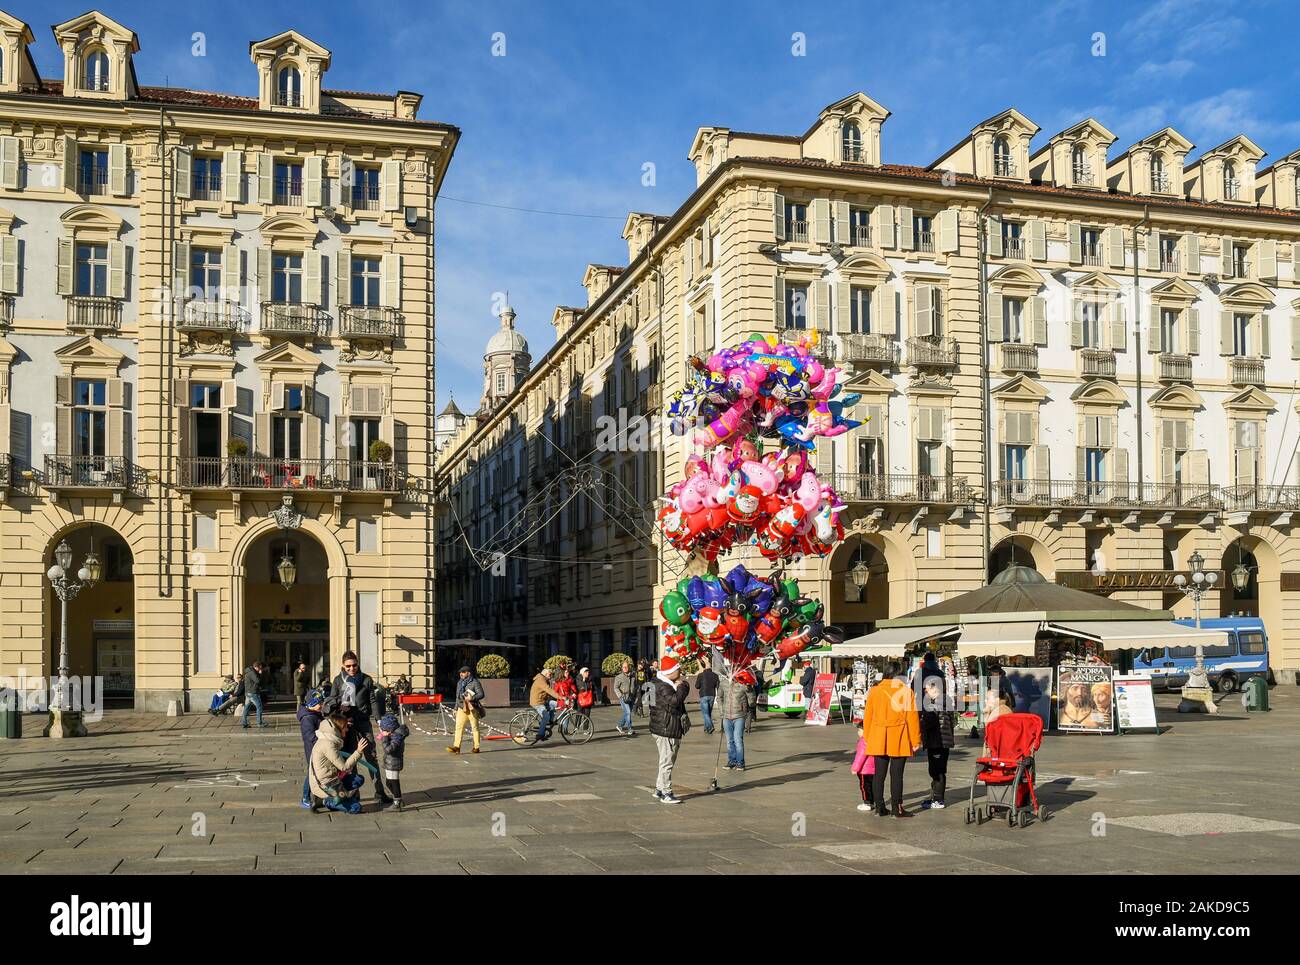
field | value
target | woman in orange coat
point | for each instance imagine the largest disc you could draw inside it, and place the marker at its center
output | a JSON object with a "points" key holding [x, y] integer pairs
{"points": [[892, 731]]}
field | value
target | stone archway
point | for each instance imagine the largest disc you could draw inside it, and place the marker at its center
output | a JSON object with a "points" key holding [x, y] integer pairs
{"points": [[1022, 550], [1263, 594], [890, 589]]}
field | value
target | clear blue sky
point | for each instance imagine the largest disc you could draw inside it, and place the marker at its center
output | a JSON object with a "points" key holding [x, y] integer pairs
{"points": [[589, 92]]}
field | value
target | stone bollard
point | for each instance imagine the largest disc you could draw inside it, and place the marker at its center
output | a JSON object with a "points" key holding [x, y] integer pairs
{"points": [[174, 708]]}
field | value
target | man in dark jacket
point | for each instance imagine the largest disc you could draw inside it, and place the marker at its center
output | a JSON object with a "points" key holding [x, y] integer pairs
{"points": [[807, 680], [253, 687], [666, 723], [706, 685], [301, 683], [360, 699], [309, 717], [469, 706]]}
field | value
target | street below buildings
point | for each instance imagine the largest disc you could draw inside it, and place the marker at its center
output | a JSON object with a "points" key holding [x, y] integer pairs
{"points": [[149, 794]]}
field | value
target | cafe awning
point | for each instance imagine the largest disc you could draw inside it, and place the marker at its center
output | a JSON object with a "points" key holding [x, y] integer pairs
{"points": [[1015, 639], [889, 642], [1138, 634]]}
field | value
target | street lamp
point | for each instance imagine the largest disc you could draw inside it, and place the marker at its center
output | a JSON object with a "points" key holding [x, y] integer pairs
{"points": [[1201, 583], [65, 720], [287, 570]]}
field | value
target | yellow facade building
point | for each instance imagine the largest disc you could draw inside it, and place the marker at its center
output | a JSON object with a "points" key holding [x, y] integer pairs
{"points": [[216, 367], [1072, 357]]}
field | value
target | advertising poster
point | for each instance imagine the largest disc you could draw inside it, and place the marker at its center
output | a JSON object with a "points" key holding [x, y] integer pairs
{"points": [[819, 707], [1135, 705], [1085, 698], [1031, 691]]}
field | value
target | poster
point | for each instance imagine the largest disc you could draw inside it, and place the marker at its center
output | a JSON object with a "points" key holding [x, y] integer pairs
{"points": [[819, 706], [860, 682], [1031, 691], [1085, 701], [1135, 706]]}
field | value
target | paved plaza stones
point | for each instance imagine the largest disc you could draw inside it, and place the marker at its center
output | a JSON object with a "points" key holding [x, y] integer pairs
{"points": [[197, 795]]}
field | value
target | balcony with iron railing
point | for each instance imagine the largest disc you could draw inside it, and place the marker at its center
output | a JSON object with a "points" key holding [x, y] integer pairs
{"points": [[288, 98], [853, 153], [1262, 498], [365, 196], [368, 321], [1231, 189], [1173, 368], [1245, 371], [1240, 267], [865, 349], [6, 311], [925, 241], [932, 352], [1014, 248], [893, 488], [1091, 256], [94, 313], [281, 473], [93, 180], [1083, 175], [1017, 358], [287, 191], [210, 315], [1097, 363], [1169, 262], [1004, 167], [291, 318], [1160, 183], [862, 235], [797, 231], [110, 473], [206, 187], [1114, 494]]}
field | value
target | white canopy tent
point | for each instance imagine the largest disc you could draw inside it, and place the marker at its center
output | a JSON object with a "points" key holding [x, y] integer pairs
{"points": [[889, 642], [1138, 634]]}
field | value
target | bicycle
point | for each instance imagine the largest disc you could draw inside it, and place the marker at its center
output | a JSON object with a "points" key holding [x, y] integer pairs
{"points": [[574, 727]]}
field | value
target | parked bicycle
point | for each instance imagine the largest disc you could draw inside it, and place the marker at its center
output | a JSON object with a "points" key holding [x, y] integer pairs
{"points": [[574, 727]]}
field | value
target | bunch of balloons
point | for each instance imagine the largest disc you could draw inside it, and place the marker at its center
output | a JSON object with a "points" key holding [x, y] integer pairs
{"points": [[733, 494], [743, 616]]}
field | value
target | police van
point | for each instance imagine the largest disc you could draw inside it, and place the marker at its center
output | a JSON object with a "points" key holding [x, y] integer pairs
{"points": [[1229, 665]]}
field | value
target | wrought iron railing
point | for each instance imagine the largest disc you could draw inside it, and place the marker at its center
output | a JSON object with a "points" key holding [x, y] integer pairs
{"points": [[96, 312], [291, 318], [1017, 357], [1231, 189], [1106, 493], [288, 98], [866, 348], [6, 311], [93, 472], [287, 191], [205, 187], [365, 196], [262, 472], [1004, 167], [936, 352], [1097, 363], [93, 180], [1160, 182], [1169, 262], [211, 316], [894, 488], [367, 321], [1246, 371], [1174, 368], [1253, 497], [1083, 175]]}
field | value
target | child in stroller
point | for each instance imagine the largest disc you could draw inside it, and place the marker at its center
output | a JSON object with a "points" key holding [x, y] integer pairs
{"points": [[1007, 772]]}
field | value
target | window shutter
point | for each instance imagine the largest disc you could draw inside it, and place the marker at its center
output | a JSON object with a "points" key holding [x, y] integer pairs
{"points": [[1115, 246], [1267, 260], [1153, 250], [780, 302], [8, 272], [1295, 336], [313, 176], [229, 394], [264, 286], [116, 269], [1076, 323], [1167, 466], [232, 176], [262, 433], [1120, 457], [65, 266], [313, 290], [311, 441], [883, 216], [1193, 331], [688, 254], [923, 310], [181, 269], [117, 170], [277, 396], [1038, 319], [1155, 333], [821, 296], [1080, 464], [391, 185], [347, 179], [995, 320], [69, 163], [1192, 248], [1262, 329], [1225, 333], [706, 241], [843, 226], [906, 228], [1038, 239], [875, 424], [343, 277], [265, 172], [1198, 467], [1107, 431], [843, 308], [993, 235], [1042, 468], [183, 174], [821, 218], [1225, 244], [230, 274], [342, 440], [1118, 327], [390, 282], [885, 311], [1091, 432], [949, 238], [9, 151], [115, 432], [1076, 244], [778, 216], [1244, 467]]}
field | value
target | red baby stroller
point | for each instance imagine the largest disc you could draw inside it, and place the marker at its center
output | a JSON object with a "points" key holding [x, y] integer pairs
{"points": [[1007, 774]]}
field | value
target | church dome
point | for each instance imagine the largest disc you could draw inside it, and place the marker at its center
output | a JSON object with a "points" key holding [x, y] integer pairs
{"points": [[507, 338]]}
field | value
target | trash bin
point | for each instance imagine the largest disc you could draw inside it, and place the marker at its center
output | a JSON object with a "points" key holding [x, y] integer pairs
{"points": [[11, 720], [1256, 697]]}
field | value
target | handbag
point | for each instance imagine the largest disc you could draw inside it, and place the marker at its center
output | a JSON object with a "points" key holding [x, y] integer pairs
{"points": [[586, 698], [685, 723]]}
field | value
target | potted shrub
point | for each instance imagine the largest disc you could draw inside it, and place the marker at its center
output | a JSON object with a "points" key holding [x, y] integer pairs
{"points": [[382, 453], [610, 668], [237, 450], [493, 672]]}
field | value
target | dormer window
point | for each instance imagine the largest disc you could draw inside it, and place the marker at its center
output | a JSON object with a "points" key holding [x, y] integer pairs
{"points": [[851, 142], [96, 73], [1159, 176], [1080, 169], [1231, 186], [288, 92], [1003, 165]]}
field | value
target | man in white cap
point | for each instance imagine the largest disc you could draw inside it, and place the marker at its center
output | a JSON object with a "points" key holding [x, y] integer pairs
{"points": [[668, 723]]}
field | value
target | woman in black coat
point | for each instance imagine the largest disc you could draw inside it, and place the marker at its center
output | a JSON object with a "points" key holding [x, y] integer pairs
{"points": [[937, 723]]}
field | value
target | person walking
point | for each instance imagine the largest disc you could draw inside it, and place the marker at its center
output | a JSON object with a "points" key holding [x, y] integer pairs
{"points": [[736, 700], [542, 698], [360, 698], [301, 684], [706, 685], [938, 723], [469, 708], [253, 686], [864, 768], [668, 724], [331, 775], [892, 732], [807, 681], [625, 688], [586, 692], [392, 738], [309, 721]]}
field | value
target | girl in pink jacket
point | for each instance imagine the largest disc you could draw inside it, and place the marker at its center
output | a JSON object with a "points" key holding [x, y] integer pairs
{"points": [[864, 765]]}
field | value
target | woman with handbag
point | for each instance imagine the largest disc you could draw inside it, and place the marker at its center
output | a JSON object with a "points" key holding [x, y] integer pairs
{"points": [[586, 692], [469, 708]]}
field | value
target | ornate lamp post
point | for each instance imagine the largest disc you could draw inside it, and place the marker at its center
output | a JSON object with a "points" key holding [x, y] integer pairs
{"points": [[287, 570], [65, 720], [1196, 691]]}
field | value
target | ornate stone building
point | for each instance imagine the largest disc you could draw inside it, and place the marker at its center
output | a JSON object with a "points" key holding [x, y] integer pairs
{"points": [[216, 366]]}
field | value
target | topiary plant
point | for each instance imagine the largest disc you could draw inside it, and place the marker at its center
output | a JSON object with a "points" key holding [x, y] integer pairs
{"points": [[558, 661], [493, 666], [613, 664], [237, 447], [380, 451]]}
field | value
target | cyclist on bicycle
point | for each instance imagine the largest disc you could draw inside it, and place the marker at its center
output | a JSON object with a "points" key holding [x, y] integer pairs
{"points": [[538, 696]]}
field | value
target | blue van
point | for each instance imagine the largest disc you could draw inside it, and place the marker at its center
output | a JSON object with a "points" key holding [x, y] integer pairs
{"points": [[1244, 655]]}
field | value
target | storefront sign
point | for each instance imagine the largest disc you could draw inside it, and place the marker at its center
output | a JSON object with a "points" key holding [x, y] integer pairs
{"points": [[1135, 706], [819, 707], [295, 626], [112, 626], [1290, 582], [1109, 580], [1085, 701]]}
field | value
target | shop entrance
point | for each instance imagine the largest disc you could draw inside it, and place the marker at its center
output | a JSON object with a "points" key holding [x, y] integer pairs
{"points": [[283, 654], [286, 594]]}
